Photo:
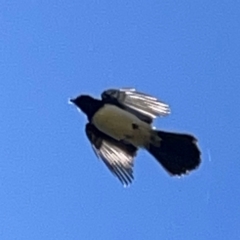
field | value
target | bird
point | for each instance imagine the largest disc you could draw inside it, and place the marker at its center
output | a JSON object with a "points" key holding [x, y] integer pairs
{"points": [[120, 123]]}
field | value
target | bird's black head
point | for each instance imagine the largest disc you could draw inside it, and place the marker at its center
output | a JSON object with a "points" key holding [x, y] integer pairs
{"points": [[87, 104]]}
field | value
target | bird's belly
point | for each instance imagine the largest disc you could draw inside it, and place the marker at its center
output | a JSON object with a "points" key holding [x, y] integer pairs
{"points": [[118, 124]]}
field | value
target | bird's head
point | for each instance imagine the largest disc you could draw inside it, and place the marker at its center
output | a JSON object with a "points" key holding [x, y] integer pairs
{"points": [[87, 104]]}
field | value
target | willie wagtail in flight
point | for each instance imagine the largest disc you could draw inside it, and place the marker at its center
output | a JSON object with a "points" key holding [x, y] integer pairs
{"points": [[120, 123]]}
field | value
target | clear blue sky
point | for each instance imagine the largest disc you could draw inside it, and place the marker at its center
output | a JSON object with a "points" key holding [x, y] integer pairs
{"points": [[186, 53]]}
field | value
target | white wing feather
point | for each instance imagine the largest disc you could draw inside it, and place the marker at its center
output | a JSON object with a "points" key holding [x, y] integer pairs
{"points": [[140, 102]]}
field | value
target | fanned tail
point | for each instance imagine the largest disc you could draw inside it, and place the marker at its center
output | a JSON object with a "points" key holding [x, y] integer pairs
{"points": [[177, 153]]}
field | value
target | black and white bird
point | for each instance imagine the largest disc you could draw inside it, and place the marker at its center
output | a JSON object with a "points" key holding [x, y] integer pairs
{"points": [[121, 123]]}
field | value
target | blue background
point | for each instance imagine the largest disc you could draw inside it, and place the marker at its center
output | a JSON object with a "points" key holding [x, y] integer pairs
{"points": [[186, 53]]}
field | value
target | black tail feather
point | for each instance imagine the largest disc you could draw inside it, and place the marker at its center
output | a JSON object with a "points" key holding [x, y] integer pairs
{"points": [[177, 153]]}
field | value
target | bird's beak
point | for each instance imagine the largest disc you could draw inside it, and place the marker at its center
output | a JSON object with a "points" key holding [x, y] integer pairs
{"points": [[72, 101]]}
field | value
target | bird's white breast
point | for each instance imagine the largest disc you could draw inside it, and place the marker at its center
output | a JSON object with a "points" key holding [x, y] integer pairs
{"points": [[118, 124]]}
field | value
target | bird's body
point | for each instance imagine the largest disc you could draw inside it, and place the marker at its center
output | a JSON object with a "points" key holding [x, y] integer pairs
{"points": [[120, 123]]}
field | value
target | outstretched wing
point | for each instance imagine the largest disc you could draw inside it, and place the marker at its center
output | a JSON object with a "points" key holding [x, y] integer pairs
{"points": [[117, 156], [142, 105]]}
